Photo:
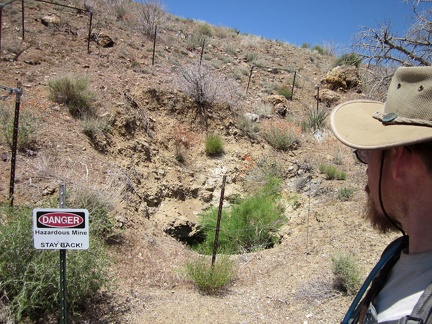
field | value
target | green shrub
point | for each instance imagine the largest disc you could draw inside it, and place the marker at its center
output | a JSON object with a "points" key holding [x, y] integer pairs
{"points": [[100, 223], [213, 144], [347, 273], [248, 226], [27, 127], [208, 278], [29, 278], [284, 91], [280, 134], [204, 29], [74, 93], [332, 172], [93, 126], [349, 59], [345, 194], [248, 126], [251, 57], [315, 119], [305, 45], [319, 49]]}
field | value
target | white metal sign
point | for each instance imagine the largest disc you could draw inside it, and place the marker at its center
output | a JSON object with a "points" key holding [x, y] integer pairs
{"points": [[61, 229]]}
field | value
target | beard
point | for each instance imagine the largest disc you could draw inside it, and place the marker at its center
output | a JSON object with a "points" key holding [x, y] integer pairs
{"points": [[378, 220]]}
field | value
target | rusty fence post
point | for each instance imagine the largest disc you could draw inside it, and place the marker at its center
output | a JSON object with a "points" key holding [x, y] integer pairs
{"points": [[216, 241]]}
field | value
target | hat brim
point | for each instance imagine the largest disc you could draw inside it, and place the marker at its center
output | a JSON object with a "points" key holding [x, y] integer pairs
{"points": [[353, 124]]}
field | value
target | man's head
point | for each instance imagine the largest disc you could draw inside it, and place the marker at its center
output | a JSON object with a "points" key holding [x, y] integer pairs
{"points": [[405, 118], [387, 132]]}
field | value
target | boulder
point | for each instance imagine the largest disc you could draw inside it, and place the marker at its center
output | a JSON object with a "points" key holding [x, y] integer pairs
{"points": [[342, 78]]}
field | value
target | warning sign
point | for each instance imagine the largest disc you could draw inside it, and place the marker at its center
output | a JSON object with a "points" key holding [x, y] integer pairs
{"points": [[61, 229]]}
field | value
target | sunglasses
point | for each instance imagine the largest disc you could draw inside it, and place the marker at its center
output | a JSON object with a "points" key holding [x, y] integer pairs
{"points": [[361, 155]]}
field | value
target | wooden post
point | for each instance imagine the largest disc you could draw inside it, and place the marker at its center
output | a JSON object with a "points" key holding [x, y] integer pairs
{"points": [[202, 51], [216, 241], [89, 33], [154, 45], [250, 76], [292, 89], [18, 93], [1, 23], [22, 18]]}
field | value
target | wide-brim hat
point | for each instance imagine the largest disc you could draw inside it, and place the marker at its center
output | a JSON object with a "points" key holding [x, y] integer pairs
{"points": [[405, 118]]}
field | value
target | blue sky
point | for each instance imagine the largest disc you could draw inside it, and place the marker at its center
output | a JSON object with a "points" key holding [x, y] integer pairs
{"points": [[316, 22]]}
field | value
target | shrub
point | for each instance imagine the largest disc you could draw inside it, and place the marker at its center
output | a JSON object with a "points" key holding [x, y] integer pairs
{"points": [[184, 139], [29, 277], [213, 145], [150, 14], [208, 278], [204, 29], [92, 126], [248, 226], [332, 172], [101, 225], [204, 87], [248, 126], [27, 127], [280, 134], [74, 93], [348, 59], [319, 49], [345, 194], [251, 57], [284, 91], [315, 119], [347, 273]]}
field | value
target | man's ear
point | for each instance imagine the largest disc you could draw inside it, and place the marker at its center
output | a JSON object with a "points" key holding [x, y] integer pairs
{"points": [[402, 161]]}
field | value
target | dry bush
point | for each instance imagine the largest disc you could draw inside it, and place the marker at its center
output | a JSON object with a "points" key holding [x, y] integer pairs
{"points": [[206, 87], [184, 139], [150, 14]]}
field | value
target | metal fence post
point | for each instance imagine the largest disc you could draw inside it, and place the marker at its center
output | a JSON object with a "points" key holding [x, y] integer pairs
{"points": [[216, 241]]}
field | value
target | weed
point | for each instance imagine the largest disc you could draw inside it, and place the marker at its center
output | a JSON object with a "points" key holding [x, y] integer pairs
{"points": [[280, 134], [211, 279], [348, 59], [204, 29], [184, 139], [284, 91], [251, 57], [347, 273], [27, 127], [332, 172], [248, 126], [213, 144], [319, 49], [345, 193], [74, 93], [315, 119]]}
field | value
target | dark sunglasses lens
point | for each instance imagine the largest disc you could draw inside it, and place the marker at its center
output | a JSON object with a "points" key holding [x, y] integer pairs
{"points": [[361, 156]]}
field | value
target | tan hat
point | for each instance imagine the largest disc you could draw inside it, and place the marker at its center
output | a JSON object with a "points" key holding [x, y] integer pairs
{"points": [[405, 117]]}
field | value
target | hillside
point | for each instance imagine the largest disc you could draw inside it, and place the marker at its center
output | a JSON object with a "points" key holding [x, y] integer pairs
{"points": [[135, 166]]}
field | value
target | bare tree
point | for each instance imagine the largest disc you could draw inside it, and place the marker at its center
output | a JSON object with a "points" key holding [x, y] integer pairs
{"points": [[381, 46], [150, 15]]}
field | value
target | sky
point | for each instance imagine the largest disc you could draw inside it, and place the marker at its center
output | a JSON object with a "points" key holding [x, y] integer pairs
{"points": [[316, 22]]}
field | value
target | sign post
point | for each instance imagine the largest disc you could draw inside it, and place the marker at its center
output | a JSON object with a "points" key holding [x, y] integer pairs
{"points": [[64, 229]]}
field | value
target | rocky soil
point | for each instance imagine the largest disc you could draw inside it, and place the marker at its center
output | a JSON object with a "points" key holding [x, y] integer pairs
{"points": [[134, 166]]}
